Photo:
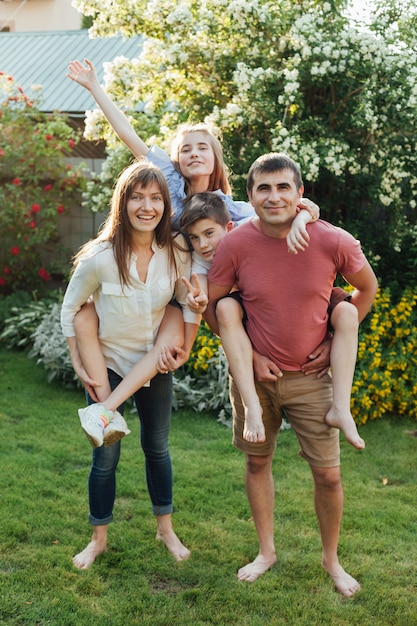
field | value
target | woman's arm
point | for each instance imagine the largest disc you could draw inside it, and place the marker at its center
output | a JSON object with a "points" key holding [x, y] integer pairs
{"points": [[87, 78]]}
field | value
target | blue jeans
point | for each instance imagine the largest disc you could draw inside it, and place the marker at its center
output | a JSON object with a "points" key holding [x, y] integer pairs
{"points": [[154, 405]]}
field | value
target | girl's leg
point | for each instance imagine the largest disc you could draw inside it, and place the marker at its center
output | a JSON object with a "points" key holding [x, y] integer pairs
{"points": [[171, 333], [238, 350], [344, 319], [154, 407], [86, 331]]}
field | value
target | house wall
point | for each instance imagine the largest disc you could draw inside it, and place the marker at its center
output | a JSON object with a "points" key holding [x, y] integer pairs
{"points": [[38, 15], [79, 224]]}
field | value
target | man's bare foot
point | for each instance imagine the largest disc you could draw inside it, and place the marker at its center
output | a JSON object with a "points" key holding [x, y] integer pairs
{"points": [[345, 423], [343, 581], [174, 545], [254, 430], [84, 559], [253, 570]]}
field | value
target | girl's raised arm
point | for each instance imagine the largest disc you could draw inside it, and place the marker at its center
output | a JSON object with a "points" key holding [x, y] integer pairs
{"points": [[85, 75]]}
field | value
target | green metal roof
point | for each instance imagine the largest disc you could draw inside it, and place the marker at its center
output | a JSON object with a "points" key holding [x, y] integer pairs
{"points": [[41, 58]]}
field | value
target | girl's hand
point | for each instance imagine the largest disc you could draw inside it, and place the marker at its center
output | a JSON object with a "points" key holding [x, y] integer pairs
{"points": [[84, 75], [298, 237], [311, 207]]}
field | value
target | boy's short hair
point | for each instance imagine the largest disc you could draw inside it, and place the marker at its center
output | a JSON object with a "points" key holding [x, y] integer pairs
{"points": [[273, 162], [204, 205]]}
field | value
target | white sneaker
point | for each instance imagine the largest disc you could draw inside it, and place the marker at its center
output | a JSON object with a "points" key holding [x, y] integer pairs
{"points": [[115, 430], [92, 420]]}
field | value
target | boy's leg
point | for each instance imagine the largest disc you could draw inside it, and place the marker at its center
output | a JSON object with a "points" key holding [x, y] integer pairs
{"points": [[86, 331], [171, 333], [344, 320], [100, 426], [238, 350]]}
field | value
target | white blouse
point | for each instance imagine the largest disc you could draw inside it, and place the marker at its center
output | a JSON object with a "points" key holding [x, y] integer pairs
{"points": [[129, 316]]}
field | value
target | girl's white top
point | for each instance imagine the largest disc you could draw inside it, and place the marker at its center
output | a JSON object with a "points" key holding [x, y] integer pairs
{"points": [[129, 316], [176, 183]]}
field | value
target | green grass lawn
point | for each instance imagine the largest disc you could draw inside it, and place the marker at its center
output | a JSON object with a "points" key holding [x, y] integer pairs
{"points": [[44, 462]]}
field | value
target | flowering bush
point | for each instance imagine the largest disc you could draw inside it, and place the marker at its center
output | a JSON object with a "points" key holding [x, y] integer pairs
{"points": [[37, 186], [386, 373], [295, 76]]}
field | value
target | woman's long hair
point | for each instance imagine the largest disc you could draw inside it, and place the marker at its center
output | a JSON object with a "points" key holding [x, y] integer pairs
{"points": [[117, 229], [219, 178]]}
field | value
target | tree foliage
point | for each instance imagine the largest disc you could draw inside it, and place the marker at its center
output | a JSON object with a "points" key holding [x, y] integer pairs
{"points": [[293, 75]]}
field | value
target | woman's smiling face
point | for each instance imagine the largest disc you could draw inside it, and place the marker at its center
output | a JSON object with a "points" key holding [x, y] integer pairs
{"points": [[145, 207]]}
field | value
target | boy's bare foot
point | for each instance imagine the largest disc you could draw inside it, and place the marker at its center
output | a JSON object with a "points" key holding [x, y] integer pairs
{"points": [[174, 545], [84, 559], [254, 430], [253, 570], [343, 581], [345, 423]]}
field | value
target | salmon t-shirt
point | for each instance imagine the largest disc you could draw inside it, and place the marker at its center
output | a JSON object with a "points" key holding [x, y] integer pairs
{"points": [[285, 295]]}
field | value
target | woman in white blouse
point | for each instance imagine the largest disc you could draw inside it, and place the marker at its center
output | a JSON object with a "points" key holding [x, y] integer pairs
{"points": [[132, 270]]}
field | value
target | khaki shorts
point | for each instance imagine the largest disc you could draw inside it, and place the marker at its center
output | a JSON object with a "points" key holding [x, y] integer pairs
{"points": [[306, 400]]}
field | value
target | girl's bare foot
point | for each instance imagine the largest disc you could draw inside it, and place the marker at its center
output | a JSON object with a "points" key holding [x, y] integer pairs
{"points": [[254, 430], [345, 422], [253, 570], [343, 581], [167, 535]]}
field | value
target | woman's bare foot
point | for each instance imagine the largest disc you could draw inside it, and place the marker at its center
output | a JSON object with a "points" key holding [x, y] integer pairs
{"points": [[345, 422], [254, 430], [167, 535], [253, 570], [97, 546], [343, 581]]}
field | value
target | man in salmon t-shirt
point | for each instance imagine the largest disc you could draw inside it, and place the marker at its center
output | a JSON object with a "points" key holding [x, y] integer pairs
{"points": [[286, 299]]}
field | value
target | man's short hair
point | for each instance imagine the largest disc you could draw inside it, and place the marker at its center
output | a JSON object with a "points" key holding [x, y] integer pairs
{"points": [[273, 162], [204, 205]]}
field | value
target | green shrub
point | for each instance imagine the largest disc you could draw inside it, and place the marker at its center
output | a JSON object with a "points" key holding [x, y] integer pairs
{"points": [[17, 299], [50, 347]]}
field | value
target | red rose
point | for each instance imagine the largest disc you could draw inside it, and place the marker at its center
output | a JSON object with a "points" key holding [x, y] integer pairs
{"points": [[2, 282], [60, 209], [48, 137], [6, 270], [16, 181], [35, 208], [47, 187], [32, 224], [71, 143], [44, 274], [14, 250]]}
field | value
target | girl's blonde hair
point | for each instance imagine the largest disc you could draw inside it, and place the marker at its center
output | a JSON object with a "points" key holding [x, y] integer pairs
{"points": [[117, 229], [219, 178]]}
